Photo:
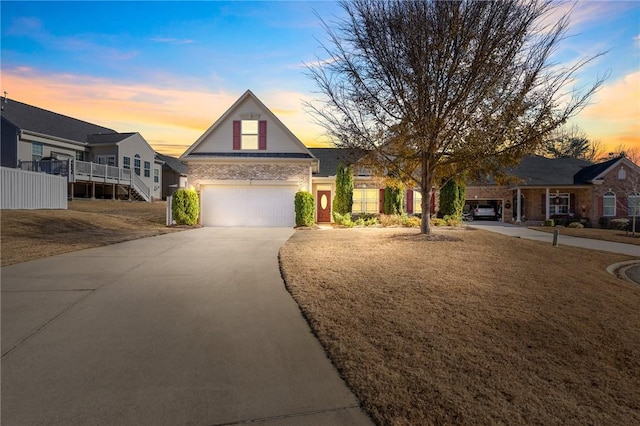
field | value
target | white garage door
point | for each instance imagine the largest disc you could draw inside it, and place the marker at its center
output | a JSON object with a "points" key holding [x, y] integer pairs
{"points": [[254, 205]]}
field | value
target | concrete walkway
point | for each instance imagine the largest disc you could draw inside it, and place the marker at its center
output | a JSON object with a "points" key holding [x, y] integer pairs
{"points": [[632, 273], [531, 234], [193, 327]]}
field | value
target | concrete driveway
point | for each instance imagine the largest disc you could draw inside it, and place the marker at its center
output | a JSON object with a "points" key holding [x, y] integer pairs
{"points": [[189, 328]]}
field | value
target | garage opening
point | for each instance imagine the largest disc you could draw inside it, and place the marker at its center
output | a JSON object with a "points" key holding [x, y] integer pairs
{"points": [[481, 204], [255, 204]]}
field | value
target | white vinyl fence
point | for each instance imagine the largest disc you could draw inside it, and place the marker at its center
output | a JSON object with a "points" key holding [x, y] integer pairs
{"points": [[21, 189]]}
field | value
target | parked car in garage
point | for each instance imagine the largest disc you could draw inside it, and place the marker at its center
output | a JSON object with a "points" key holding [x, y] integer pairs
{"points": [[484, 211]]}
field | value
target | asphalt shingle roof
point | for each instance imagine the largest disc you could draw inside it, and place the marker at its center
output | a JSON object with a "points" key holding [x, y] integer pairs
{"points": [[173, 163], [28, 117], [535, 170], [589, 173], [331, 157]]}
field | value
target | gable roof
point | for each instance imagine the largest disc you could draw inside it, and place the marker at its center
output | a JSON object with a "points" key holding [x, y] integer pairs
{"points": [[37, 120], [108, 138], [597, 171], [173, 163], [246, 95]]}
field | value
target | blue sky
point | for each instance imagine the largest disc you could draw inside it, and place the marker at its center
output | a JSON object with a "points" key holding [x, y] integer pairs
{"points": [[170, 69]]}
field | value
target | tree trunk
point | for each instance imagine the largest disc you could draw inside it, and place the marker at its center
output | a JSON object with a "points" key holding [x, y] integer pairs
{"points": [[426, 191]]}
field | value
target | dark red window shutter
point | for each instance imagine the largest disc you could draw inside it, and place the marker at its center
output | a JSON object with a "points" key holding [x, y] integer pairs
{"points": [[572, 203], [262, 135], [622, 207], [381, 202], [410, 201], [543, 203], [236, 135], [600, 202]]}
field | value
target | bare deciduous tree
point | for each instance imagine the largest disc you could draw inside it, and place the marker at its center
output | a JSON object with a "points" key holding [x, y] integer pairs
{"points": [[435, 89], [622, 150], [570, 141]]}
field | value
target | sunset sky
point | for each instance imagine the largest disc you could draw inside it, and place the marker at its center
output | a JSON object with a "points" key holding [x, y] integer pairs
{"points": [[169, 69]]}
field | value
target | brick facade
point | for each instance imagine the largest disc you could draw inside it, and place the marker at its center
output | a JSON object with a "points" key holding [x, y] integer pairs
{"points": [[285, 172]]}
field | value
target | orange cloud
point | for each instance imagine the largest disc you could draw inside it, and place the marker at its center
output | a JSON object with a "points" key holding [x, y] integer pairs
{"points": [[169, 119], [614, 115]]}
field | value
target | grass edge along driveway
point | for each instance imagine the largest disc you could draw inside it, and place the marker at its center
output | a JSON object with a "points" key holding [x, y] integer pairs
{"points": [[486, 329]]}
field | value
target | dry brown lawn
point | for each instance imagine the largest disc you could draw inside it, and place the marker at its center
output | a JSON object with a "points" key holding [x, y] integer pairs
{"points": [[33, 234], [596, 234], [485, 330]]}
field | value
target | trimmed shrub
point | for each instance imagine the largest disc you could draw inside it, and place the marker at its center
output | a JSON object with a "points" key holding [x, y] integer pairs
{"points": [[343, 219], [304, 203], [411, 222], [576, 225], [549, 222], [620, 224], [603, 222], [438, 222], [185, 207]]}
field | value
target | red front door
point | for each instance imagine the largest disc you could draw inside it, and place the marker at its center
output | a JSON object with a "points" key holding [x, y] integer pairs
{"points": [[324, 206]]}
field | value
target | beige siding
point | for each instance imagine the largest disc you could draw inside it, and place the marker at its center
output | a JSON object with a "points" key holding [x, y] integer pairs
{"points": [[221, 138]]}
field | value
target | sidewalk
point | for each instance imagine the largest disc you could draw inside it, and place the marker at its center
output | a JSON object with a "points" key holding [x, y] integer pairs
{"points": [[632, 273], [530, 234]]}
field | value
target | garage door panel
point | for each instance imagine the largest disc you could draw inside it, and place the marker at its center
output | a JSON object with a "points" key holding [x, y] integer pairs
{"points": [[254, 205]]}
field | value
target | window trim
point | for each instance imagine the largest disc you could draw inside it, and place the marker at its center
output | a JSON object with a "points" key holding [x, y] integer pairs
{"points": [[147, 169], [156, 175], [557, 209], [34, 155], [609, 195], [126, 163], [633, 196], [136, 164]]}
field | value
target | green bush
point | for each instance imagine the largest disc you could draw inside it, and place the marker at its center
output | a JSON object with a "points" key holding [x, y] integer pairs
{"points": [[411, 222], [438, 222], [343, 219], [549, 222], [304, 204], [185, 207], [576, 225]]}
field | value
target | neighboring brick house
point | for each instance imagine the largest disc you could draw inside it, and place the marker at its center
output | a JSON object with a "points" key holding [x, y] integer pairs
{"points": [[563, 187], [247, 168]]}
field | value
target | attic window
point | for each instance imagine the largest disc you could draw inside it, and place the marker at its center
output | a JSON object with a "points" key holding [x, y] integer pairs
{"points": [[249, 134], [622, 174]]}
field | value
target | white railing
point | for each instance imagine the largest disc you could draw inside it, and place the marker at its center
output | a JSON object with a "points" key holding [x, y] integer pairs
{"points": [[102, 172], [141, 187]]}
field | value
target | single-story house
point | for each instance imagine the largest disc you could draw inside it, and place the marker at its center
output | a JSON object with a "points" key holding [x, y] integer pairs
{"points": [[99, 162], [544, 188]]}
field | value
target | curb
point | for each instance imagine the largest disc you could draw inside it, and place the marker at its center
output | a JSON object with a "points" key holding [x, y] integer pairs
{"points": [[619, 270]]}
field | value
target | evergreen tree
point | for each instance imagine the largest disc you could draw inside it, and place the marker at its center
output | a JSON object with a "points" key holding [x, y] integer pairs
{"points": [[343, 201], [452, 196], [392, 203]]}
